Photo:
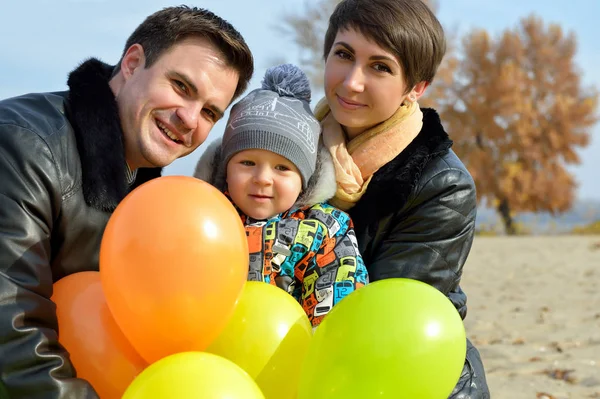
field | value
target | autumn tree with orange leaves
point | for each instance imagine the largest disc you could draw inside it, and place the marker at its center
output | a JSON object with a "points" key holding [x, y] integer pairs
{"points": [[513, 104], [517, 113]]}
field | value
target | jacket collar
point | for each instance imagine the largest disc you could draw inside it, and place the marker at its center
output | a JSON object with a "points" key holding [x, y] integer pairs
{"points": [[392, 184], [94, 115]]}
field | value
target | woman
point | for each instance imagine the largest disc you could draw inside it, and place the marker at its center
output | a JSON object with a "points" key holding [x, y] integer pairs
{"points": [[412, 200]]}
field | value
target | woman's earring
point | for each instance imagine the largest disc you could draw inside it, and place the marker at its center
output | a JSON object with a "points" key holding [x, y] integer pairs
{"points": [[411, 98]]}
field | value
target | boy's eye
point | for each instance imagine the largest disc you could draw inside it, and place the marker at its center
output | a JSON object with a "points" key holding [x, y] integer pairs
{"points": [[247, 163], [282, 168]]}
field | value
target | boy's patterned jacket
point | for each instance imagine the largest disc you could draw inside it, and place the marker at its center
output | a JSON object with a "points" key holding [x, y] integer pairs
{"points": [[310, 251]]}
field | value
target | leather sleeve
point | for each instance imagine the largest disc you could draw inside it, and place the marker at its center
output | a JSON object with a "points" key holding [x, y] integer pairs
{"points": [[431, 239], [431, 243], [472, 383], [32, 362]]}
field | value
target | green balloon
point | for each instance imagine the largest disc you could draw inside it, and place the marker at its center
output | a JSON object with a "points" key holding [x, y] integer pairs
{"points": [[394, 338]]}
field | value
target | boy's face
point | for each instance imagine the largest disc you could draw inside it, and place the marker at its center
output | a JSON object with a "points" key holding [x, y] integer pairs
{"points": [[262, 184]]}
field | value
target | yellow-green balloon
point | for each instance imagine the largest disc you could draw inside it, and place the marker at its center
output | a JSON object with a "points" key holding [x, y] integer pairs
{"points": [[268, 336], [394, 338], [191, 375]]}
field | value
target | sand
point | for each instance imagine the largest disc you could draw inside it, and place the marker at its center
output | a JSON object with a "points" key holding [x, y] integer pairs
{"points": [[534, 314]]}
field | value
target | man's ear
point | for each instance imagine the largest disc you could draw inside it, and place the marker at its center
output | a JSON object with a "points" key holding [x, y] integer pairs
{"points": [[133, 59], [419, 89]]}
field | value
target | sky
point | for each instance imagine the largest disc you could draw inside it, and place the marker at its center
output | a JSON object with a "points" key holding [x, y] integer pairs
{"points": [[41, 41]]}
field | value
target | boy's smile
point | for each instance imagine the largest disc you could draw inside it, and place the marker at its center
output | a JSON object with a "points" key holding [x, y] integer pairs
{"points": [[262, 183]]}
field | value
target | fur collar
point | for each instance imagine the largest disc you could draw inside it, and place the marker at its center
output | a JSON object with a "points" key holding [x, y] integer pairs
{"points": [[94, 115], [392, 184], [320, 188]]}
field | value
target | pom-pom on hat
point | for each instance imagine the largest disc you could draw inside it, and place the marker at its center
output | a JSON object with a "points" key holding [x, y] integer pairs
{"points": [[277, 118]]}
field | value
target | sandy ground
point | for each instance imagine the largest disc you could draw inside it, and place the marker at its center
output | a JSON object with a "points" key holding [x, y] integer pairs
{"points": [[534, 314]]}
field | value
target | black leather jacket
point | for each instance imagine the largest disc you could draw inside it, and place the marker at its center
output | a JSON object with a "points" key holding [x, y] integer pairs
{"points": [[62, 173], [417, 220]]}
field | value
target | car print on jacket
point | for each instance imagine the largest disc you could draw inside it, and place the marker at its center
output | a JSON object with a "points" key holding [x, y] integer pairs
{"points": [[311, 253]]}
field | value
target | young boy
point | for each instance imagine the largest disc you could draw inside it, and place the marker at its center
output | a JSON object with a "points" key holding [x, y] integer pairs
{"points": [[270, 163]]}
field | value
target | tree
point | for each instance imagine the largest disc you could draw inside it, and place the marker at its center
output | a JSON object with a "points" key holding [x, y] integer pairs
{"points": [[514, 106], [307, 30], [517, 112]]}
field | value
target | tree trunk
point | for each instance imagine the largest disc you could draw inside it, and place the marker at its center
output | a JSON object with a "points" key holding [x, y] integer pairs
{"points": [[504, 211]]}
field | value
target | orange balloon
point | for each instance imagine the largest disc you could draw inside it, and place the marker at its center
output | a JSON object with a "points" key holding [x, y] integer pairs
{"points": [[173, 262], [99, 351]]}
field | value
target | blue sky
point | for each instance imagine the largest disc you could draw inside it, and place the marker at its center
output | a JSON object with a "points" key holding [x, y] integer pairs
{"points": [[42, 40]]}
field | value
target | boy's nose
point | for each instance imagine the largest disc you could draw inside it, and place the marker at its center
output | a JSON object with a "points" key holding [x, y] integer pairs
{"points": [[263, 176]]}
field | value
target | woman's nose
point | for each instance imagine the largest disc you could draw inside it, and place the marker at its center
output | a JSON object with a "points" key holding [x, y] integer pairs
{"points": [[355, 79]]}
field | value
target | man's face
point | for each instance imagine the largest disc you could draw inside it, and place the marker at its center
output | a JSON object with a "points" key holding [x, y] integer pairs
{"points": [[168, 110]]}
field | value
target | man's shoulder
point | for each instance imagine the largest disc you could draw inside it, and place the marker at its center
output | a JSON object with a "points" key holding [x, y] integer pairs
{"points": [[41, 113], [35, 127]]}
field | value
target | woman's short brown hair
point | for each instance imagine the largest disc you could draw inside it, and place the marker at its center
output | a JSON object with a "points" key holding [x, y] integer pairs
{"points": [[407, 28]]}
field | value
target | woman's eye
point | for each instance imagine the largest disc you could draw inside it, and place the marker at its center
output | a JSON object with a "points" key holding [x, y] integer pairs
{"points": [[382, 68], [343, 54]]}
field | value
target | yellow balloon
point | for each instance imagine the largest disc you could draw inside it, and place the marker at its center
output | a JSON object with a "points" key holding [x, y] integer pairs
{"points": [[394, 338], [193, 375], [268, 336]]}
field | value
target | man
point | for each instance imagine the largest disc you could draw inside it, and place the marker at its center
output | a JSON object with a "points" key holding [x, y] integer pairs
{"points": [[67, 159]]}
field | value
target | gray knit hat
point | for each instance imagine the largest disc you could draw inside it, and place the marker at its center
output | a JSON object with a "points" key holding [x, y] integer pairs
{"points": [[276, 118]]}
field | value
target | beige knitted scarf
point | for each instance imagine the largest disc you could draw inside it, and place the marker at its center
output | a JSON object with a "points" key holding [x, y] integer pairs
{"points": [[356, 161]]}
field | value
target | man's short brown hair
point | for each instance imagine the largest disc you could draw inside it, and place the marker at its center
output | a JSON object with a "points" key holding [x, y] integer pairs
{"points": [[167, 27], [407, 28]]}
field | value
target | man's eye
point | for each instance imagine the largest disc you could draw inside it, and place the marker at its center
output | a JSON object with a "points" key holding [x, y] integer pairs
{"points": [[180, 85], [210, 114]]}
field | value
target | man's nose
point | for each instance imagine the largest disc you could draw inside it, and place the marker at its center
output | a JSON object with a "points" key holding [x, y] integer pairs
{"points": [[188, 115]]}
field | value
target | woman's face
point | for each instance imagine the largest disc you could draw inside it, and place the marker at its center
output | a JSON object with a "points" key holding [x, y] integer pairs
{"points": [[364, 83]]}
